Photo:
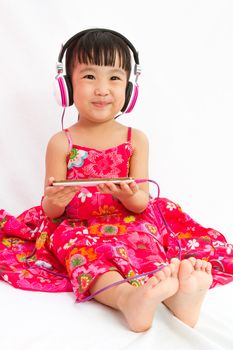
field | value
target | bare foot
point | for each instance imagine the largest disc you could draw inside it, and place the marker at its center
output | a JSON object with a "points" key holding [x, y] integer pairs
{"points": [[194, 280], [138, 304]]}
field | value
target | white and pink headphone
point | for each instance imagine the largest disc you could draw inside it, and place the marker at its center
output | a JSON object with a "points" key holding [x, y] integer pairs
{"points": [[63, 87]]}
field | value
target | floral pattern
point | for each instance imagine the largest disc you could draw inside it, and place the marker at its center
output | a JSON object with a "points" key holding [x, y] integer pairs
{"points": [[97, 234], [103, 163], [77, 158]]}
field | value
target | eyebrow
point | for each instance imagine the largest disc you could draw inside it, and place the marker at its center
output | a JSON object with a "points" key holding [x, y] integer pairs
{"points": [[112, 71]]}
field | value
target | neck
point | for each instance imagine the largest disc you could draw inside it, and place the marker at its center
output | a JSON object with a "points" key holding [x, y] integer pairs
{"points": [[94, 126]]}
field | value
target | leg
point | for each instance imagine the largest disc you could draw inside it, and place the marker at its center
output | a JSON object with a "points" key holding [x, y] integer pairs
{"points": [[138, 304], [194, 280]]}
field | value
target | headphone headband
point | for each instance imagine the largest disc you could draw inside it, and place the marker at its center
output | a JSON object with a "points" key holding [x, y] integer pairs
{"points": [[83, 32]]}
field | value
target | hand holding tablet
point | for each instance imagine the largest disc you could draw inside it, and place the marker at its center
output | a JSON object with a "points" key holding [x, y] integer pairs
{"points": [[92, 182]]}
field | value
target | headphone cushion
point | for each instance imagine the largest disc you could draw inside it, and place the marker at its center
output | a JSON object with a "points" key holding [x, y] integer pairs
{"points": [[63, 90], [131, 96]]}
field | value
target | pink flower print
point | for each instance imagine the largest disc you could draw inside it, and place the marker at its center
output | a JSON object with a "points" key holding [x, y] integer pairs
{"points": [[170, 206], [5, 277], [103, 164], [128, 147], [192, 244], [208, 248], [136, 239], [84, 281], [109, 229], [229, 248], [85, 231], [81, 278], [44, 280], [214, 233], [122, 252], [77, 158], [217, 244], [152, 229], [129, 219], [77, 260], [134, 282], [51, 240], [70, 243], [25, 274], [43, 264], [191, 228], [83, 194]]}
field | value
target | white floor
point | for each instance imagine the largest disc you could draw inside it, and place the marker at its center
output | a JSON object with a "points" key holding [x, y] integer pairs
{"points": [[44, 321]]}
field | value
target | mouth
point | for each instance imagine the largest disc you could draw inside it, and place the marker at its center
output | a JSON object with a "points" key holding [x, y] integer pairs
{"points": [[100, 104]]}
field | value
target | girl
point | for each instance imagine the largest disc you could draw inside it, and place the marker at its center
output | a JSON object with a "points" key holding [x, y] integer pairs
{"points": [[114, 234]]}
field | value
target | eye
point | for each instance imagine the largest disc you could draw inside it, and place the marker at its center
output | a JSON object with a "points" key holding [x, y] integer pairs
{"points": [[89, 76], [115, 78]]}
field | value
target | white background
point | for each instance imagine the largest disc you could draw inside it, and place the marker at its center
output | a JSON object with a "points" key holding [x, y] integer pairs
{"points": [[185, 103]]}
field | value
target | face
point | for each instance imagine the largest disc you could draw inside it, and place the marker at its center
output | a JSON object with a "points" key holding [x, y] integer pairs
{"points": [[98, 91]]}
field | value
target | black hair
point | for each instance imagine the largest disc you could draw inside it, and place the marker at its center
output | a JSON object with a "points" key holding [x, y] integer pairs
{"points": [[99, 48]]}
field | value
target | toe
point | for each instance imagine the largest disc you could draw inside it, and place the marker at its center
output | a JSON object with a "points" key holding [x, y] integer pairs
{"points": [[208, 267], [204, 265], [175, 261], [185, 270], [167, 270], [192, 260], [161, 275], [152, 282], [174, 266], [198, 264]]}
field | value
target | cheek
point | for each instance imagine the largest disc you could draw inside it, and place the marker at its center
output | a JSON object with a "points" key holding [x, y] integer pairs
{"points": [[80, 92], [120, 92], [78, 96], [121, 96]]}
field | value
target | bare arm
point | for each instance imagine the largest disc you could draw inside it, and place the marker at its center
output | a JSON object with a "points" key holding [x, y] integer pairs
{"points": [[56, 198]]}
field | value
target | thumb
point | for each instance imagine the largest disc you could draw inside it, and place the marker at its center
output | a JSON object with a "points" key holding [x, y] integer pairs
{"points": [[50, 180]]}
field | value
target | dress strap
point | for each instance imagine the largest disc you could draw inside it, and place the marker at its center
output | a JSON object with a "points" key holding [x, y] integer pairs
{"points": [[69, 139], [129, 135]]}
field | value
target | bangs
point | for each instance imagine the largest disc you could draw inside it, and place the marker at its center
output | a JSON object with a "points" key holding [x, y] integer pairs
{"points": [[99, 49], [103, 57]]}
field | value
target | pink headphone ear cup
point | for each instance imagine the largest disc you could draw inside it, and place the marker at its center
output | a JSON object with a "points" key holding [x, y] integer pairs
{"points": [[63, 91], [131, 96]]}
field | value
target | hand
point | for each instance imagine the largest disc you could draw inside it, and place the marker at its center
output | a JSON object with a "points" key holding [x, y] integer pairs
{"points": [[121, 191], [60, 196]]}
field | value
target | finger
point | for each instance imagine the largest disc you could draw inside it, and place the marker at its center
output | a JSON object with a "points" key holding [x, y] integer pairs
{"points": [[113, 187], [52, 191], [108, 187], [50, 180], [102, 188], [133, 186], [62, 197], [128, 188], [71, 189], [125, 188]]}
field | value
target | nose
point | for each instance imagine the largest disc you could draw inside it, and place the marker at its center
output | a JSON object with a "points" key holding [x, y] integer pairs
{"points": [[101, 92], [101, 89]]}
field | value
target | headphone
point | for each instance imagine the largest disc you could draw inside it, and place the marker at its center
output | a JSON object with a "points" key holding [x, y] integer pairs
{"points": [[63, 86]]}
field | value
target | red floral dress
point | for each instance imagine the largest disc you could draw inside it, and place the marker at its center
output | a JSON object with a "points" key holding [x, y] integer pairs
{"points": [[97, 234]]}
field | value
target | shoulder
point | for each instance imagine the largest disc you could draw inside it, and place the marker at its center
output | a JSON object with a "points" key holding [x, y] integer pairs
{"points": [[58, 142], [139, 138]]}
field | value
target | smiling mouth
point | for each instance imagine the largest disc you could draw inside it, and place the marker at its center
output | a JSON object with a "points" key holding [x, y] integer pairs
{"points": [[100, 104]]}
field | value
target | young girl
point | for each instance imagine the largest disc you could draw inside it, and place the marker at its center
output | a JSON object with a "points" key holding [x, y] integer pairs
{"points": [[116, 243]]}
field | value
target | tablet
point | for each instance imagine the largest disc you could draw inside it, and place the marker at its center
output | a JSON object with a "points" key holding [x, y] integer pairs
{"points": [[92, 182]]}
